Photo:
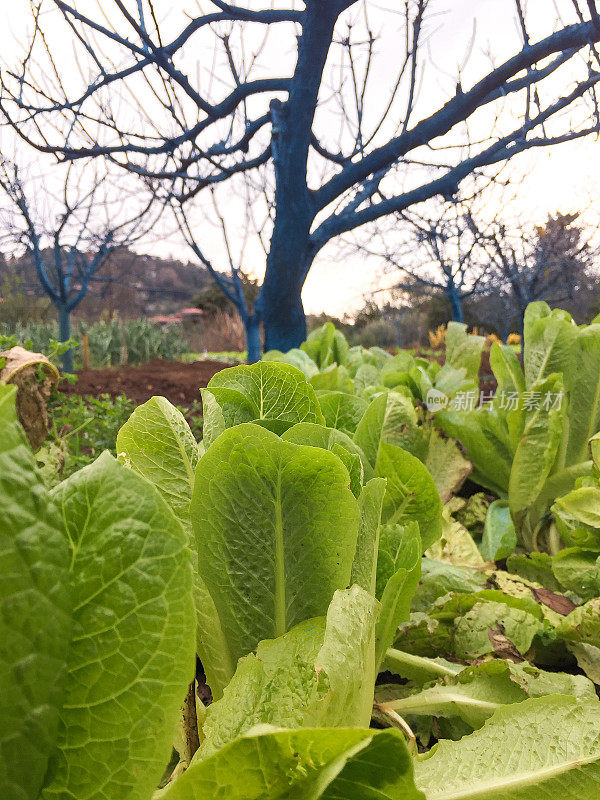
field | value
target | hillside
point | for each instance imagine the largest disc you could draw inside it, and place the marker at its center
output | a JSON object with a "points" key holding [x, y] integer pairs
{"points": [[130, 284]]}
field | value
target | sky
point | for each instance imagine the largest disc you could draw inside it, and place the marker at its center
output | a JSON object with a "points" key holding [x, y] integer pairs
{"points": [[563, 178]]}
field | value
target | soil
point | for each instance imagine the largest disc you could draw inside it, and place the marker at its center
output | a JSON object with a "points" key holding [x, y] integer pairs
{"points": [[180, 383]]}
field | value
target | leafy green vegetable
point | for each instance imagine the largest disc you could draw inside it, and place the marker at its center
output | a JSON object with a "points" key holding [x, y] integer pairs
{"points": [[582, 624], [441, 578], [499, 534], [318, 673], [477, 692], [342, 411], [276, 528], [463, 351], [588, 659], [267, 764], [157, 443], [295, 358], [369, 548], [578, 517], [536, 567], [472, 634], [326, 346], [456, 545], [578, 570], [529, 444], [397, 595], [275, 394], [410, 492], [517, 754], [35, 623], [132, 653], [417, 669]]}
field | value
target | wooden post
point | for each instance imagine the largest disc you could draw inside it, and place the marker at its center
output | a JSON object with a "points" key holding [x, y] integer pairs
{"points": [[86, 351], [124, 353]]}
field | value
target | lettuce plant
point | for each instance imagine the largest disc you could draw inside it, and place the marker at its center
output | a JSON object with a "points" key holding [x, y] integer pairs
{"points": [[530, 443], [286, 553], [346, 379], [97, 640]]}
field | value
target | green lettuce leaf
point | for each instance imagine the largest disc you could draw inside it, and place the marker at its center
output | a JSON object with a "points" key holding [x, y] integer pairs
{"points": [[276, 528], [578, 570], [588, 659], [485, 435], [537, 449], [441, 578], [410, 494], [133, 648], [463, 351], [295, 358], [477, 692], [35, 623], [157, 443], [342, 411], [441, 455], [540, 748], [485, 628], [368, 550], [456, 545], [499, 535], [418, 669], [578, 517], [397, 596], [306, 764], [584, 393], [309, 433], [582, 624], [320, 673], [366, 375], [383, 422], [549, 340], [535, 567], [332, 379], [276, 394]]}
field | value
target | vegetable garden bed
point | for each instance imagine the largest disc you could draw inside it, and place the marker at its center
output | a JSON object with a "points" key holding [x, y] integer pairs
{"points": [[177, 381], [366, 627]]}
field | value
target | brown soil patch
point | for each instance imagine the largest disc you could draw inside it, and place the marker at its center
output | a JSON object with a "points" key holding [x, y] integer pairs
{"points": [[180, 383]]}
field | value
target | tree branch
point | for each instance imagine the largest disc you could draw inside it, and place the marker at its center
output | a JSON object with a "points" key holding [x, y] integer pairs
{"points": [[456, 110]]}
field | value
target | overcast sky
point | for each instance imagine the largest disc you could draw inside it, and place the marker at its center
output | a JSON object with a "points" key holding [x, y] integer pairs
{"points": [[563, 178]]}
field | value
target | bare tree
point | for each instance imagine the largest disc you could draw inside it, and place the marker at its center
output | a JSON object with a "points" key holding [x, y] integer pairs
{"points": [[72, 235], [295, 111], [231, 285], [550, 262], [440, 250]]}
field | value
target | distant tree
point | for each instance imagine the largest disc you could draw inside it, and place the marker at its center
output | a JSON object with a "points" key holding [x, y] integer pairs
{"points": [[267, 111], [212, 299], [439, 250], [71, 236], [493, 311], [550, 262]]}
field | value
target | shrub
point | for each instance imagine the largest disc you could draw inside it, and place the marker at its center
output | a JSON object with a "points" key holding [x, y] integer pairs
{"points": [[222, 332], [134, 341], [378, 333]]}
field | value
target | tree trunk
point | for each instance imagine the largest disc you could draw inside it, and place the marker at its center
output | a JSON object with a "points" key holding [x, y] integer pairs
{"points": [[291, 253], [455, 304], [64, 334], [280, 301], [252, 326]]}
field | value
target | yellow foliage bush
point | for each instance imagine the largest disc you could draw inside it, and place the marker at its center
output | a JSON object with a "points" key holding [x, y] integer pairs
{"points": [[437, 338]]}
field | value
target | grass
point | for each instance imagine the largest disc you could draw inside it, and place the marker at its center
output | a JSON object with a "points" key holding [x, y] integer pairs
{"points": [[226, 356], [83, 427]]}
